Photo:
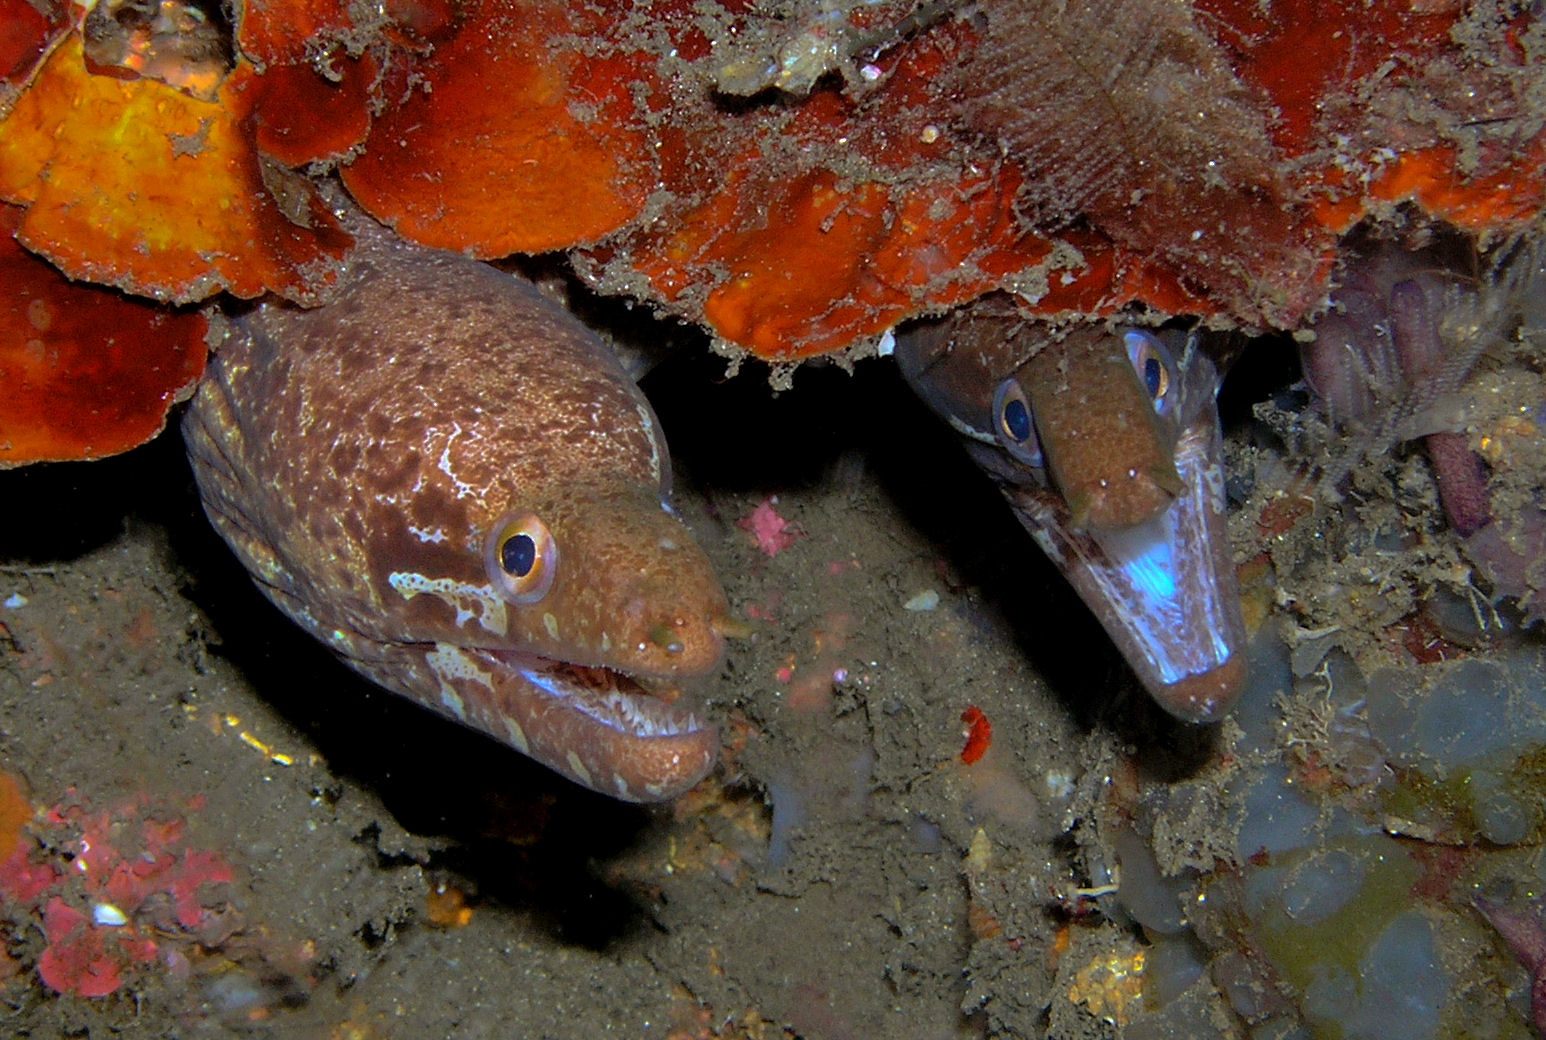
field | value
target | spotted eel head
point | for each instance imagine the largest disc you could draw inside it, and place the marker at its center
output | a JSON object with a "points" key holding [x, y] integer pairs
{"points": [[446, 478]]}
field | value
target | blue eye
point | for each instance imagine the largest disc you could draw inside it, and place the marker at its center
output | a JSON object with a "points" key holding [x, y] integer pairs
{"points": [[1153, 376], [1152, 363], [1013, 425], [1016, 420]]}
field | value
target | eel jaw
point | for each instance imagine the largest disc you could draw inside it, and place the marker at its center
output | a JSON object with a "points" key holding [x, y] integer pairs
{"points": [[596, 726], [1164, 590]]}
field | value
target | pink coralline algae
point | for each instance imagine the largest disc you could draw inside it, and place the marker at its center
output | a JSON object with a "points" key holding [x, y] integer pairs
{"points": [[86, 959], [773, 533], [114, 891]]}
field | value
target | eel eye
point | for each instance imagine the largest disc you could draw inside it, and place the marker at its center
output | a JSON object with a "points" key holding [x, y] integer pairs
{"points": [[521, 558], [1013, 425], [1152, 362]]}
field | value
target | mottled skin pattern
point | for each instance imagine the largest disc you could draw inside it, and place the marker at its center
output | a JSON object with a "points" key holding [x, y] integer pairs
{"points": [[356, 456], [1120, 473], [1114, 464]]}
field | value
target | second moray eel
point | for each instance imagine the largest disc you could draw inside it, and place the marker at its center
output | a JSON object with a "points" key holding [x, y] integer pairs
{"points": [[1108, 449]]}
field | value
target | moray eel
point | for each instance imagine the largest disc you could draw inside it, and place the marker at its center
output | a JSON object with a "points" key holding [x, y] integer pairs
{"points": [[1109, 451], [449, 481]]}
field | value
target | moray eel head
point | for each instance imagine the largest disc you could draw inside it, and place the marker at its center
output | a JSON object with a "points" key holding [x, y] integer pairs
{"points": [[1108, 448], [453, 484]]}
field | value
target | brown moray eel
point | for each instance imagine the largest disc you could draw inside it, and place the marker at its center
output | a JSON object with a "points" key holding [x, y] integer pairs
{"points": [[1109, 451], [449, 481]]}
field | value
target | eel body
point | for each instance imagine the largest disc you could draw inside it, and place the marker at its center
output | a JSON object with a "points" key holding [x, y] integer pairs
{"points": [[448, 480], [1109, 451]]}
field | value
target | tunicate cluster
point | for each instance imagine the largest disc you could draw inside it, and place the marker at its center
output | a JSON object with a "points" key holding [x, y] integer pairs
{"points": [[1394, 992], [1476, 725], [1361, 801]]}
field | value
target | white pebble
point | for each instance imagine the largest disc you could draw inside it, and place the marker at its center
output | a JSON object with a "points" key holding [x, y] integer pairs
{"points": [[106, 915], [928, 599]]}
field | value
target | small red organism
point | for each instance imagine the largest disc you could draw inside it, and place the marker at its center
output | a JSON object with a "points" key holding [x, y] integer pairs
{"points": [[773, 533], [979, 734]]}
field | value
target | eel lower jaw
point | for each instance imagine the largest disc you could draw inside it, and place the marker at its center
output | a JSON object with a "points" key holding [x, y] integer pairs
{"points": [[1204, 696], [1164, 590], [597, 726]]}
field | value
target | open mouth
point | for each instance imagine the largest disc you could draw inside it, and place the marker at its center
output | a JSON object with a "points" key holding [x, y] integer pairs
{"points": [[629, 737], [643, 707], [1164, 590]]}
